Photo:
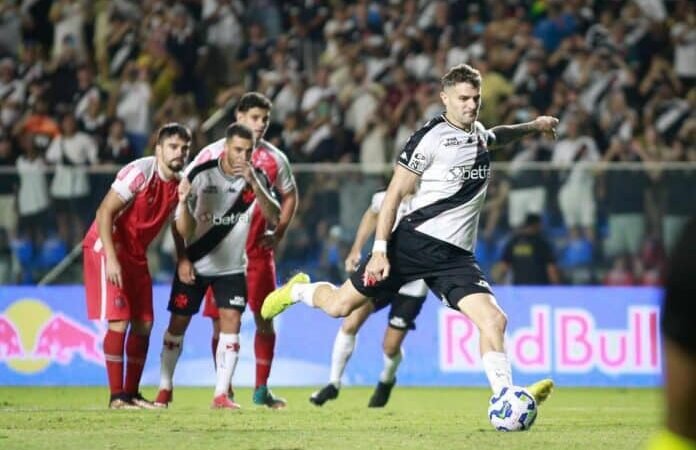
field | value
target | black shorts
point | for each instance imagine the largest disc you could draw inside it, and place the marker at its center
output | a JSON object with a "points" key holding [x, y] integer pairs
{"points": [[403, 312], [450, 272], [230, 292]]}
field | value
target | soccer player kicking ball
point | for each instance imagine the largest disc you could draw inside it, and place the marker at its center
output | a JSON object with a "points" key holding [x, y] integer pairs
{"points": [[405, 307], [117, 281], [446, 163], [254, 111], [216, 200]]}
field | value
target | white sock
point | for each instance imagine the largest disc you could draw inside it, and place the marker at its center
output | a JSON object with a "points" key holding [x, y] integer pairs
{"points": [[227, 356], [497, 369], [305, 292], [390, 366], [171, 350], [342, 350]]}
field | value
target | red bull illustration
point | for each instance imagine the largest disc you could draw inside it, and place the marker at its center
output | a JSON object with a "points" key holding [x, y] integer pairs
{"points": [[33, 337], [61, 338], [10, 347]]}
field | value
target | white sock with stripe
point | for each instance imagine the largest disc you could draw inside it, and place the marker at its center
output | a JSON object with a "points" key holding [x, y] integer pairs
{"points": [[226, 361], [171, 350]]}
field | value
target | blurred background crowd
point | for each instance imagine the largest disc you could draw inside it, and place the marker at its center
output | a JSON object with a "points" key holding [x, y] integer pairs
{"points": [[83, 84]]}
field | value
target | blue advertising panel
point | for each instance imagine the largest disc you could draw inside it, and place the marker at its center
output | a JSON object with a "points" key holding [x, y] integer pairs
{"points": [[580, 336]]}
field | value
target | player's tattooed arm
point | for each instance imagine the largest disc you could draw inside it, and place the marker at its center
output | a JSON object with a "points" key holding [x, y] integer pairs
{"points": [[505, 134]]}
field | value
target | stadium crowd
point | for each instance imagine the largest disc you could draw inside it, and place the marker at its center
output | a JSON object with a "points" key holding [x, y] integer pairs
{"points": [[84, 83]]}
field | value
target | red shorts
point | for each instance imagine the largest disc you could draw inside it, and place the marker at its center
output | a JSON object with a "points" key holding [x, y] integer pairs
{"points": [[106, 301], [261, 281]]}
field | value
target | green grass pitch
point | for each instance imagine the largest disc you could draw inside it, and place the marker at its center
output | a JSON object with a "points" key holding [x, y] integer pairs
{"points": [[416, 418]]}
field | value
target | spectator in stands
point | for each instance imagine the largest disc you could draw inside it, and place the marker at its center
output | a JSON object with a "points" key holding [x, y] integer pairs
{"points": [[528, 257], [72, 153], [527, 185], [576, 195], [117, 149], [68, 17], [8, 187], [39, 124], [620, 273], [623, 192], [32, 199], [679, 185], [683, 34], [131, 103], [12, 94]]}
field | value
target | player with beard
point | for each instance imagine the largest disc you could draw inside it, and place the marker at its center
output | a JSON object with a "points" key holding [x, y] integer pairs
{"points": [[254, 111], [446, 165], [117, 281]]}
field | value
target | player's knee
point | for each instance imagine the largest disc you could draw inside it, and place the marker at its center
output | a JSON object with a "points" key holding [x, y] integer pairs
{"points": [[178, 324], [391, 349], [495, 323], [141, 328], [339, 309]]}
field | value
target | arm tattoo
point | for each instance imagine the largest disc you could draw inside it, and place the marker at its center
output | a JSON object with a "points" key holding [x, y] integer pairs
{"points": [[504, 134]]}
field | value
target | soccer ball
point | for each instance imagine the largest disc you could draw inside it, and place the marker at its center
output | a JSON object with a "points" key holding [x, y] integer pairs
{"points": [[512, 409]]}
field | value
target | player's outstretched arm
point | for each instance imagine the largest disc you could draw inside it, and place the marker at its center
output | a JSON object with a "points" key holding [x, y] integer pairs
{"points": [[108, 209], [505, 134], [403, 182]]}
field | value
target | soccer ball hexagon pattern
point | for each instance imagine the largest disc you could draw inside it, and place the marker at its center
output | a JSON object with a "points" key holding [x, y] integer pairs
{"points": [[512, 409]]}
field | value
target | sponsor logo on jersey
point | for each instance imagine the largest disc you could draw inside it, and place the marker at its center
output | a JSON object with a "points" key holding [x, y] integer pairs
{"points": [[237, 300], [210, 189], [417, 162], [452, 141], [231, 219], [464, 173]]}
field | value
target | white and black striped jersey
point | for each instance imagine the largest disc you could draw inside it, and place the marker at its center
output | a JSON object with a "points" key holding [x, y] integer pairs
{"points": [[222, 207], [454, 167]]}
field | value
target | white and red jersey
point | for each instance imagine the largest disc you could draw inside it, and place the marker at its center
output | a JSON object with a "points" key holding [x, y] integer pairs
{"points": [[150, 202], [273, 162]]}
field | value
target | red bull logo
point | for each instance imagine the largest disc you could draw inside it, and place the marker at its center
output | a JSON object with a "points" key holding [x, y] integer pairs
{"points": [[32, 337]]}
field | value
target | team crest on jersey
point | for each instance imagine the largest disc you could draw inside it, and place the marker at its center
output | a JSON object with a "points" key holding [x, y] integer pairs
{"points": [[248, 195], [417, 162]]}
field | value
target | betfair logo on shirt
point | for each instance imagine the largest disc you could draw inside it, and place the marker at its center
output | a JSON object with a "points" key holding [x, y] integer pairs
{"points": [[464, 173], [231, 219]]}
